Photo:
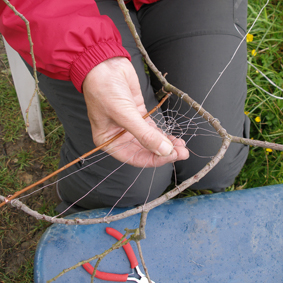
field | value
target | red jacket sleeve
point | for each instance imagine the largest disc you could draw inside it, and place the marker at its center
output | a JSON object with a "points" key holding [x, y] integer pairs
{"points": [[70, 37]]}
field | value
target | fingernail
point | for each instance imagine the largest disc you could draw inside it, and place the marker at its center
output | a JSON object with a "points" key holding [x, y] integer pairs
{"points": [[164, 149], [174, 156]]}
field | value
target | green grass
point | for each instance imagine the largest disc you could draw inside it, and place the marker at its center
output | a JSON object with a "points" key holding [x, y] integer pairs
{"points": [[262, 167], [20, 233], [10, 118]]}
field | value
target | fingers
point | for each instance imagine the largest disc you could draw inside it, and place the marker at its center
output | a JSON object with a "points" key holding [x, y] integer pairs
{"points": [[179, 152], [140, 157], [115, 102], [149, 137]]}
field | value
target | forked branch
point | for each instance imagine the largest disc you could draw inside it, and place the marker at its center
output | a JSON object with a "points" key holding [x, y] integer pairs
{"points": [[166, 86], [148, 206], [144, 209]]}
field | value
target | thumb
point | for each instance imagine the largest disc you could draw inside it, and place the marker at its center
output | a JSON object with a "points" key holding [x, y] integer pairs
{"points": [[143, 130]]}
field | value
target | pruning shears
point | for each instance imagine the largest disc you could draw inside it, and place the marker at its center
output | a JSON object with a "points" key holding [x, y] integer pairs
{"points": [[119, 277]]}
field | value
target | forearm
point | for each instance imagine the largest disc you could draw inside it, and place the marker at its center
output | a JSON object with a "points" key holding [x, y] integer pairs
{"points": [[70, 37]]}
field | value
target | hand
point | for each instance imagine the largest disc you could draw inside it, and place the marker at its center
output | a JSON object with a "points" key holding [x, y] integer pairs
{"points": [[115, 102]]}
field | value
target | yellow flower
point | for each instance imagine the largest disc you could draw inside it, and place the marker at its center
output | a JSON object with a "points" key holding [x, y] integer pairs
{"points": [[257, 119], [268, 149], [254, 52], [247, 112], [250, 37]]}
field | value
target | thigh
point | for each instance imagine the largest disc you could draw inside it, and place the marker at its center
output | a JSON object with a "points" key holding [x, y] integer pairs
{"points": [[193, 41]]}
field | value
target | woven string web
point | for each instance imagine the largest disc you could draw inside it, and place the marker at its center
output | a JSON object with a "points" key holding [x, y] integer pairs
{"points": [[188, 126], [170, 121]]}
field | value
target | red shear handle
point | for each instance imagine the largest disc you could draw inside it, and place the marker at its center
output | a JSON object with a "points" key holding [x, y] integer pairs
{"points": [[105, 275], [127, 248]]}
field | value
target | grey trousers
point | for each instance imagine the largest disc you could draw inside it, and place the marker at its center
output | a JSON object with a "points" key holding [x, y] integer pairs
{"points": [[192, 41]]}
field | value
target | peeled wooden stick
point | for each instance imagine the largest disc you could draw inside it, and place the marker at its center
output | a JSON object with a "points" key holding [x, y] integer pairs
{"points": [[78, 159]]}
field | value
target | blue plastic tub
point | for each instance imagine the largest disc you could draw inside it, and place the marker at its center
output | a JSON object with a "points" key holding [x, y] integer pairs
{"points": [[234, 237]]}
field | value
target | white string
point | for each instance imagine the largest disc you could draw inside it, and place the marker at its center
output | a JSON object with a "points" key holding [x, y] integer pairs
{"points": [[171, 124], [234, 54], [150, 186], [127, 188], [120, 166], [86, 166]]}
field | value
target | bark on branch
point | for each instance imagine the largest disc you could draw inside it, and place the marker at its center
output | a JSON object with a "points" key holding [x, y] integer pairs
{"points": [[99, 257], [150, 205], [36, 90], [168, 88], [139, 233]]}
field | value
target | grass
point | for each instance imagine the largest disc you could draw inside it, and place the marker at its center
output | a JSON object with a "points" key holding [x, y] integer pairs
{"points": [[266, 115], [21, 159], [265, 112]]}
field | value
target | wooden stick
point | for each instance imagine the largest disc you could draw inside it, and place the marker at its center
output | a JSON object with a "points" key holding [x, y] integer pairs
{"points": [[80, 158]]}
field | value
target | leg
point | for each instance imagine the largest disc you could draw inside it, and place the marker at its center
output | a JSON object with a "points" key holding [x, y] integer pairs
{"points": [[193, 41], [71, 110]]}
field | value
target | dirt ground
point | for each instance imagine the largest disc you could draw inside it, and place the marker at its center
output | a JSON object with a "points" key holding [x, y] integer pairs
{"points": [[22, 232]]}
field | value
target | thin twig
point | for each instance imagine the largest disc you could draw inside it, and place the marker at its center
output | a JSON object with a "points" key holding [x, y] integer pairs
{"points": [[145, 208], [54, 131], [142, 234], [139, 44], [143, 261], [150, 205], [200, 110], [95, 268], [214, 122], [170, 88], [263, 144], [115, 246], [36, 91], [167, 87], [8, 199]]}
